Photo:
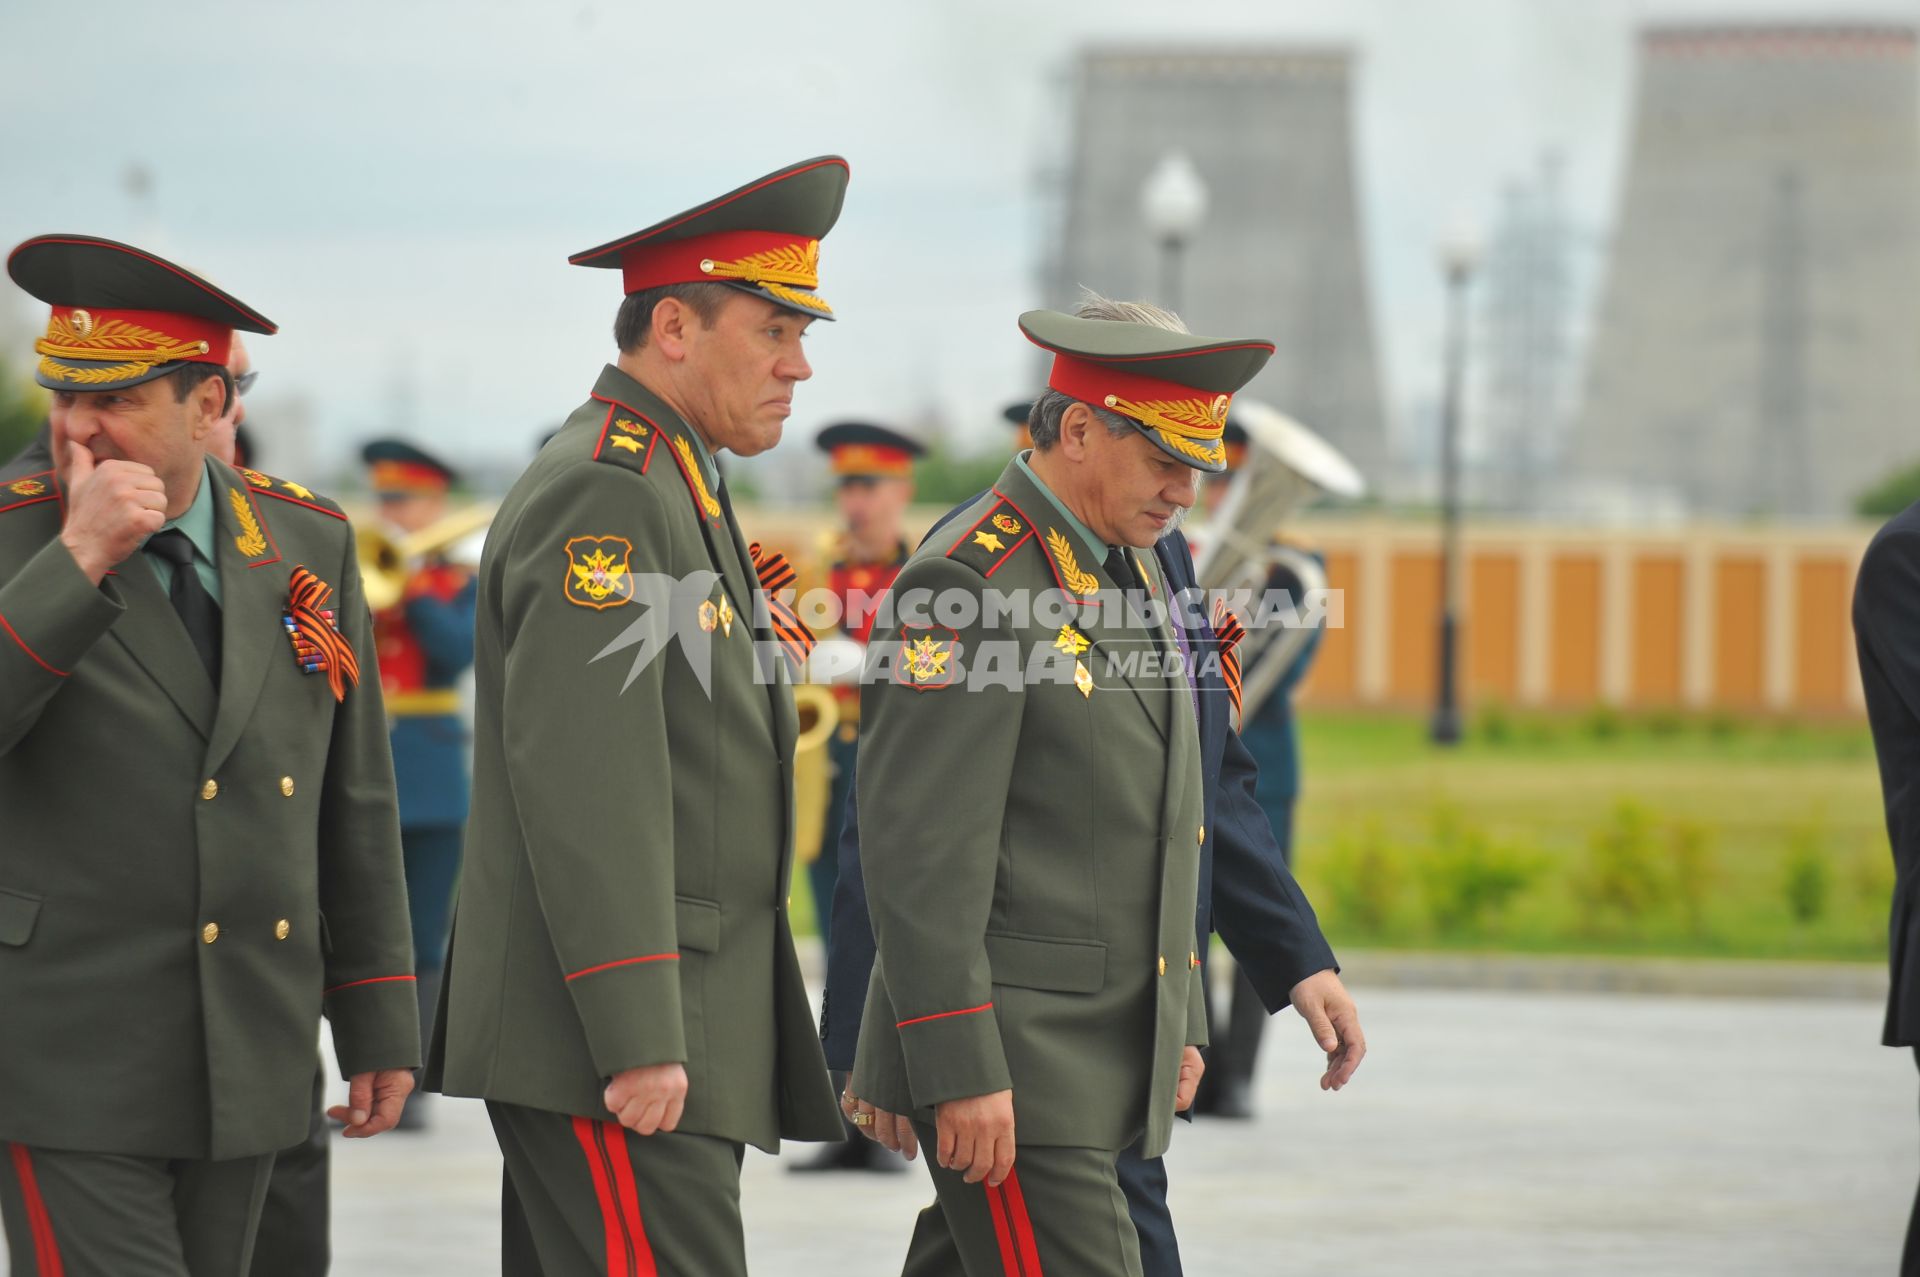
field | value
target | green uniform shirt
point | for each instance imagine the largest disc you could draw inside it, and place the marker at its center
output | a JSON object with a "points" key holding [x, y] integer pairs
{"points": [[197, 522]]}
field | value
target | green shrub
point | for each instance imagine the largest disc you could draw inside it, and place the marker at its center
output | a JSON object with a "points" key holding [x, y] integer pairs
{"points": [[1466, 878], [1496, 726], [1808, 878], [1602, 722], [1622, 874], [1364, 876], [1665, 724], [1696, 872]]}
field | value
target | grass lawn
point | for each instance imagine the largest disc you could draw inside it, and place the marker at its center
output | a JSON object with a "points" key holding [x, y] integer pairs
{"points": [[1596, 834]]}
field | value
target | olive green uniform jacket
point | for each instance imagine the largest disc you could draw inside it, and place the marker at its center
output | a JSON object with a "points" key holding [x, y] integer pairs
{"points": [[1031, 844], [624, 898], [188, 877]]}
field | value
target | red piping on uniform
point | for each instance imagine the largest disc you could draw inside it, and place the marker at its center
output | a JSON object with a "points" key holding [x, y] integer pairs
{"points": [[941, 1015], [626, 962], [1008, 556], [613, 1137], [297, 501], [46, 1250], [29, 651], [618, 1264], [27, 501], [354, 984], [997, 1207], [1022, 1225]]}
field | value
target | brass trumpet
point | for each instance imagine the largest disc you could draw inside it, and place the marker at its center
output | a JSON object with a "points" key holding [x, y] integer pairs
{"points": [[384, 559], [812, 782]]}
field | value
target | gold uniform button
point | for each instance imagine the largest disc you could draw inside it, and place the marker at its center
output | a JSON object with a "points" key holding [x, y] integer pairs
{"points": [[210, 790], [210, 932], [1201, 837], [1163, 964], [282, 929], [286, 786]]}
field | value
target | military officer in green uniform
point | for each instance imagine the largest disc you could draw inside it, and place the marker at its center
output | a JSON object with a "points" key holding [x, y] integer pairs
{"points": [[622, 988], [1030, 802], [203, 853]]}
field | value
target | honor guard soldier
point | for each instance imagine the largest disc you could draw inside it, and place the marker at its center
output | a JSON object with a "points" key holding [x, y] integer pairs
{"points": [[873, 471], [1015, 414], [1032, 843], [623, 989], [203, 852], [425, 641], [873, 477]]}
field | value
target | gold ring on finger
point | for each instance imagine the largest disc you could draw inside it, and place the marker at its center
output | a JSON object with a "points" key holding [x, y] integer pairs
{"points": [[863, 1119]]}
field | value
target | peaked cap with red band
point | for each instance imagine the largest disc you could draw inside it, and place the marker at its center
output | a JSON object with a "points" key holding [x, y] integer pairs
{"points": [[1175, 387], [121, 315], [763, 238], [861, 450]]}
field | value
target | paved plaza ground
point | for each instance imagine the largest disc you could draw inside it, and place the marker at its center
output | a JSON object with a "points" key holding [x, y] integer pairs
{"points": [[1545, 1134]]}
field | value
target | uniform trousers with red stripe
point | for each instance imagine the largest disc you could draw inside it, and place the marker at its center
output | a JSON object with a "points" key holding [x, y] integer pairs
{"points": [[1060, 1213], [587, 1198], [73, 1214]]}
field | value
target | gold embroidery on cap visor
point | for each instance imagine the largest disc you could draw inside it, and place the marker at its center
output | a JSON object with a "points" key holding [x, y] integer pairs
{"points": [[80, 336], [781, 271], [1189, 426]]}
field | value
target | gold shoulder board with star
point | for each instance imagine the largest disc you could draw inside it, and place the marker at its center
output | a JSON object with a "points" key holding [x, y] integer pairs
{"points": [[992, 539], [626, 438]]}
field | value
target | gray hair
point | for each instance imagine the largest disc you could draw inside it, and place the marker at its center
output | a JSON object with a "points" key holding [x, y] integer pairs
{"points": [[1043, 420]]}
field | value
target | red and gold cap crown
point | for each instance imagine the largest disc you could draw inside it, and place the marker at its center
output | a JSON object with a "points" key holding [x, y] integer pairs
{"points": [[861, 450], [763, 238], [121, 315], [1175, 387]]}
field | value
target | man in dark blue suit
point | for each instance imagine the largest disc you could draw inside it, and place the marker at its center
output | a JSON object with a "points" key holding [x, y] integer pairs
{"points": [[1886, 627], [1247, 895]]}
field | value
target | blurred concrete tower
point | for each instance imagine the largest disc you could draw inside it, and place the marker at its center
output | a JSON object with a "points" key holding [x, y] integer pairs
{"points": [[1758, 348], [1270, 134]]}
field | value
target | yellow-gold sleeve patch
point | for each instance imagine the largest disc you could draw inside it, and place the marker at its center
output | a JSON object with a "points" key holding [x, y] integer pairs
{"points": [[599, 572], [926, 658]]}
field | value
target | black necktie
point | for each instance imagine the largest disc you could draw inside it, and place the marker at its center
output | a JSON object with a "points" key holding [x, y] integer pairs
{"points": [[198, 612], [1120, 567]]}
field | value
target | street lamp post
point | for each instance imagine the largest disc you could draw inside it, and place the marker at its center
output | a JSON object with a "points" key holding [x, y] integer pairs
{"points": [[1173, 201], [1459, 255]]}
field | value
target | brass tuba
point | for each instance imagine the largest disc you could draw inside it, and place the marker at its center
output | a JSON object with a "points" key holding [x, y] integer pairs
{"points": [[812, 779], [1287, 466], [384, 559]]}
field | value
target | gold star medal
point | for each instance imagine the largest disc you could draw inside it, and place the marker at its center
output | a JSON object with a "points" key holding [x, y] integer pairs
{"points": [[1083, 678]]}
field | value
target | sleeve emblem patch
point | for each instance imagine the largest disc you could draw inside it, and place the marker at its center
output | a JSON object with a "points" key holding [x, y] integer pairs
{"points": [[598, 572]]}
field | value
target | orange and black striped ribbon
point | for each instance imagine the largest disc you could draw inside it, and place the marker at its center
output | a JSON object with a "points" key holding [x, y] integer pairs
{"points": [[777, 574], [1228, 630], [308, 596]]}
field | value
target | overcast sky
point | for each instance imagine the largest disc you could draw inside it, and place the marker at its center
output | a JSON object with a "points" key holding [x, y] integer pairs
{"points": [[399, 184]]}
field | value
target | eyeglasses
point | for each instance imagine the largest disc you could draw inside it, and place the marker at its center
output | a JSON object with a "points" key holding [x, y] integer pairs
{"points": [[244, 382]]}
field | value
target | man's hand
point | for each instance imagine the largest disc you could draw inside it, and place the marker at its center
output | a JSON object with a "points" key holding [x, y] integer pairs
{"points": [[374, 1101], [976, 1136], [1324, 1004], [112, 507], [648, 1099], [1191, 1067], [894, 1130]]}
